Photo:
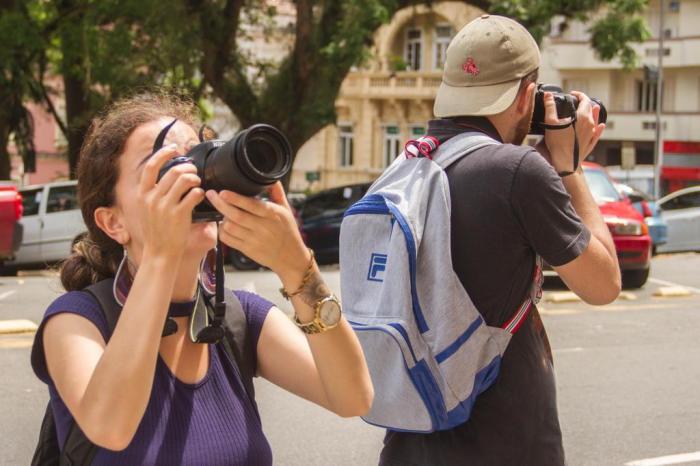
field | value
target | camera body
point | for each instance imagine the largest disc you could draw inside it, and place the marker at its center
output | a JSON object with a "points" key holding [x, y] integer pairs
{"points": [[246, 164], [566, 106]]}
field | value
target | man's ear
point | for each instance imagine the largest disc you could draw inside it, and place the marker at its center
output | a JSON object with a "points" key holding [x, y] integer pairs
{"points": [[109, 221], [525, 97]]}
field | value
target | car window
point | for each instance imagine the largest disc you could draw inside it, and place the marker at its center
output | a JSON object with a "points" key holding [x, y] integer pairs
{"points": [[31, 200], [684, 201], [329, 203], [62, 198], [601, 187]]}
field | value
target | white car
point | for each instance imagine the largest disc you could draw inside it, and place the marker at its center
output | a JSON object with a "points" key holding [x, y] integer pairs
{"points": [[681, 211], [52, 221]]}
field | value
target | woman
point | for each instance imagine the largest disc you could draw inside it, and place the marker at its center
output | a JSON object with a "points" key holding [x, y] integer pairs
{"points": [[147, 399]]}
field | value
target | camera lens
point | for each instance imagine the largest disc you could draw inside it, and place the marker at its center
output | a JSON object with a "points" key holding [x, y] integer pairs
{"points": [[253, 159]]}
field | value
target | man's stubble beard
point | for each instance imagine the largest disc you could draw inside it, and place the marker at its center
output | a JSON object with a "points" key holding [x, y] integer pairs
{"points": [[522, 129]]}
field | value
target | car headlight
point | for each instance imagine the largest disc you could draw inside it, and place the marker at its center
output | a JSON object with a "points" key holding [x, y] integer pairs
{"points": [[625, 226]]}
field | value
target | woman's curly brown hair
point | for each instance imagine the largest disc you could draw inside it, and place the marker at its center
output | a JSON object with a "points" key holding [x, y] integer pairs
{"points": [[96, 256]]}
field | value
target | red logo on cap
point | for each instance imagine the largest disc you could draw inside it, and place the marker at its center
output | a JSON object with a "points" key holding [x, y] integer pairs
{"points": [[470, 67]]}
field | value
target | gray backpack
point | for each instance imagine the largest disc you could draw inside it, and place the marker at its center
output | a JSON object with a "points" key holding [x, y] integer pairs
{"points": [[429, 350]]}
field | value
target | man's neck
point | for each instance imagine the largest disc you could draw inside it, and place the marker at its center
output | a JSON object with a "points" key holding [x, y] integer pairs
{"points": [[503, 125]]}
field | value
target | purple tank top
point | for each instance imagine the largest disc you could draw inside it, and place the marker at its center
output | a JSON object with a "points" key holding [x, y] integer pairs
{"points": [[211, 422]]}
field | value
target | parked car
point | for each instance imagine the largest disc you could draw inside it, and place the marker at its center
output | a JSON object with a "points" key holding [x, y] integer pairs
{"points": [[11, 230], [52, 222], [321, 215], [629, 231], [643, 203], [681, 211]]}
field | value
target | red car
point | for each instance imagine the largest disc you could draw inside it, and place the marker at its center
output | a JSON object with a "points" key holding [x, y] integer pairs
{"points": [[629, 232], [10, 228]]}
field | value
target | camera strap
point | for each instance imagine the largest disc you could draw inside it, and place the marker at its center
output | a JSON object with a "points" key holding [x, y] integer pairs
{"points": [[572, 123], [211, 330]]}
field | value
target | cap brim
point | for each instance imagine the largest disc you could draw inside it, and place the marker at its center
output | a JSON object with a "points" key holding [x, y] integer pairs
{"points": [[453, 101]]}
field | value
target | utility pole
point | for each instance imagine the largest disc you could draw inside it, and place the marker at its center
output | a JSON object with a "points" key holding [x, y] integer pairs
{"points": [[659, 102]]}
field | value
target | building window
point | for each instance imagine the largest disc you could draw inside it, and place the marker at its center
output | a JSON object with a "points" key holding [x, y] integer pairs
{"points": [[443, 35], [345, 144], [414, 46], [646, 95], [392, 144]]}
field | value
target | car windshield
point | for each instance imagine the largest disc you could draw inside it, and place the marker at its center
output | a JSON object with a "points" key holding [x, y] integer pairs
{"points": [[332, 202], [601, 187]]}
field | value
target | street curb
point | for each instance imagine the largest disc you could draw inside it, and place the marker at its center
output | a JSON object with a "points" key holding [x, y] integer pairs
{"points": [[561, 297], [672, 292], [9, 327]]}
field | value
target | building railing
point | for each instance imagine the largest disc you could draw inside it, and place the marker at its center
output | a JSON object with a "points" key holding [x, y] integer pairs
{"points": [[373, 84]]}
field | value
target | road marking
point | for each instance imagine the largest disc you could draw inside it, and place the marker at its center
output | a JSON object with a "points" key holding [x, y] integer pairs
{"points": [[672, 292], [561, 297], [667, 283], [17, 326], [7, 294], [249, 286], [664, 460], [14, 342]]}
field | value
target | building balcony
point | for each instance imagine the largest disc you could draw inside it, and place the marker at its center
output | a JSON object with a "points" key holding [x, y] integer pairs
{"points": [[680, 52], [386, 85], [635, 126]]}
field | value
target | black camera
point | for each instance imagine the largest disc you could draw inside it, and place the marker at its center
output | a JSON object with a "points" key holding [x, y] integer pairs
{"points": [[249, 162], [566, 106]]}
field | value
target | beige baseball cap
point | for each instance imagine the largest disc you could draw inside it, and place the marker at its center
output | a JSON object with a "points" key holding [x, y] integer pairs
{"points": [[485, 62]]}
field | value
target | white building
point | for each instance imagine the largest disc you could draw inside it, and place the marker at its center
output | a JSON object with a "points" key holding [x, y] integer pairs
{"points": [[631, 100]]}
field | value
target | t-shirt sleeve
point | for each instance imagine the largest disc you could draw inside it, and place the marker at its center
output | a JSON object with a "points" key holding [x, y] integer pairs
{"points": [[256, 309], [75, 302], [543, 207]]}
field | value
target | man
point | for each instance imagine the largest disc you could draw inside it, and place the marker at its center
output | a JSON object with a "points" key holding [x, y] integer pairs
{"points": [[509, 204]]}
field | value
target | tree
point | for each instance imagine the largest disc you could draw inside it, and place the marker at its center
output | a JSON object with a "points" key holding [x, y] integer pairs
{"points": [[18, 56], [331, 36], [103, 49], [98, 50]]}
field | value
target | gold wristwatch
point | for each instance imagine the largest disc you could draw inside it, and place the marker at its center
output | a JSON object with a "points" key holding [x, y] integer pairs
{"points": [[326, 316]]}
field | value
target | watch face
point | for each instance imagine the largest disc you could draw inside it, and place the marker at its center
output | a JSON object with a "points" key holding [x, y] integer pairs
{"points": [[329, 312]]}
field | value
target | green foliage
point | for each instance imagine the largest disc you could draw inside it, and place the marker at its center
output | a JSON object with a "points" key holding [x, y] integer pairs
{"points": [[102, 49], [610, 35], [622, 25]]}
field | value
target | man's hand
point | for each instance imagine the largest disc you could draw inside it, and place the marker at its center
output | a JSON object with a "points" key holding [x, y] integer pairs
{"points": [[560, 142]]}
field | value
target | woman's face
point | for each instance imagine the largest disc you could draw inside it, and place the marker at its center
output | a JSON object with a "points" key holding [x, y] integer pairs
{"points": [[137, 150]]}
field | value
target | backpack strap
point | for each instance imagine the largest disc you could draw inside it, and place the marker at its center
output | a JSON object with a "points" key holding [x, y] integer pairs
{"points": [[238, 345], [461, 145]]}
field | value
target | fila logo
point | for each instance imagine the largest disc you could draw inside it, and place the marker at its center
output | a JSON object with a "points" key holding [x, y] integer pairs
{"points": [[377, 267]]}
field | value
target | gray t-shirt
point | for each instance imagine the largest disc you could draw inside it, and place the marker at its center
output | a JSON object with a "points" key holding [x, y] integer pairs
{"points": [[508, 204]]}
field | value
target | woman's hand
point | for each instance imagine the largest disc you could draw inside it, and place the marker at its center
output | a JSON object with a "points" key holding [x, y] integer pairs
{"points": [[168, 203], [265, 231]]}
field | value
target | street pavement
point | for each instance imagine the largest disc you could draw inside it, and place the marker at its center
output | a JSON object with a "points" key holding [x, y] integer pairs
{"points": [[628, 376]]}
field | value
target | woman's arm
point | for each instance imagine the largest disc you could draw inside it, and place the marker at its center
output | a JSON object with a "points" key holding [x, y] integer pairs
{"points": [[327, 368], [107, 387]]}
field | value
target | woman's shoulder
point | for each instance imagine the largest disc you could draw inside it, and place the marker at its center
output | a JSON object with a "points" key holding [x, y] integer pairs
{"points": [[81, 303], [73, 302]]}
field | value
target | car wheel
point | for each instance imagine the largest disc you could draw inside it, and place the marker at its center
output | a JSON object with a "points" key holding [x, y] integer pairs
{"points": [[8, 270], [634, 278], [241, 262]]}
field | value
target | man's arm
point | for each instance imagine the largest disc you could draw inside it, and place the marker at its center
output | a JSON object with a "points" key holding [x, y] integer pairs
{"points": [[595, 274]]}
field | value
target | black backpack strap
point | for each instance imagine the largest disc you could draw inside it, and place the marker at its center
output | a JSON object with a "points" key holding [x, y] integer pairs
{"points": [[238, 345], [102, 292], [47, 452], [77, 449]]}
